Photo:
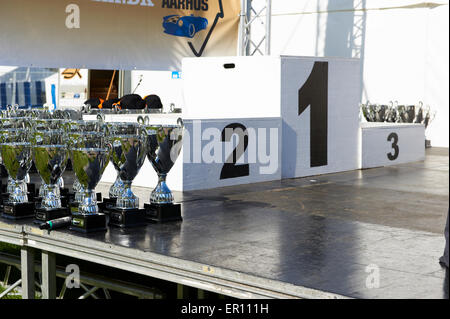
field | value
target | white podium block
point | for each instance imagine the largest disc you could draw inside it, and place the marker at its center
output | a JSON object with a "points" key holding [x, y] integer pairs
{"points": [[384, 144], [317, 99], [225, 152]]}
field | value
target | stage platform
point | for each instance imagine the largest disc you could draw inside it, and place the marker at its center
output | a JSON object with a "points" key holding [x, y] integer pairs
{"points": [[313, 237]]}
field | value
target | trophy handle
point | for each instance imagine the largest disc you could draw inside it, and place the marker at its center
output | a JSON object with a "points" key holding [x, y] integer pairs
{"points": [[109, 146], [27, 125], [100, 117], [180, 122], [86, 108], [66, 114], [143, 120]]}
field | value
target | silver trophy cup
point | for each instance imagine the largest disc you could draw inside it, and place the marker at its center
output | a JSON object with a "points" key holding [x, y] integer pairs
{"points": [[50, 155], [128, 141], [16, 154], [15, 148], [90, 155], [76, 128], [164, 144]]}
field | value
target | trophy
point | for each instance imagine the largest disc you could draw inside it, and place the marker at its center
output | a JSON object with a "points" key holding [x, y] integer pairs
{"points": [[419, 114], [391, 113], [410, 113], [368, 112], [128, 141], [9, 122], [429, 117], [75, 129], [15, 148], [402, 114], [164, 144], [50, 156], [118, 187], [90, 155], [380, 112]]}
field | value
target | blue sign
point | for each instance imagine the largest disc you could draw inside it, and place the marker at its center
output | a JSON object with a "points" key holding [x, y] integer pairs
{"points": [[176, 75]]}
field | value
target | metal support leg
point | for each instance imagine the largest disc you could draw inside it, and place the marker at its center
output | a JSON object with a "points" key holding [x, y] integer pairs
{"points": [[63, 290], [7, 273], [182, 291], [201, 294], [48, 275], [106, 292], [11, 288], [90, 293], [27, 269]]}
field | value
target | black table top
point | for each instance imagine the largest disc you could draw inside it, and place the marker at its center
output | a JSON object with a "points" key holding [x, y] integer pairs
{"points": [[331, 232]]}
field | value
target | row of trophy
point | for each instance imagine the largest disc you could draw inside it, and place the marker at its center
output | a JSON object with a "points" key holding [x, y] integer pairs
{"points": [[395, 113], [51, 139]]}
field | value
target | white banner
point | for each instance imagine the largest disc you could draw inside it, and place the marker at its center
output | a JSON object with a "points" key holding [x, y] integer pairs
{"points": [[115, 34]]}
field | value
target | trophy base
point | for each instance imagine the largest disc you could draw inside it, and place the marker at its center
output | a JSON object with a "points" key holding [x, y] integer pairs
{"points": [[18, 210], [64, 192], [126, 218], [107, 205], [163, 213], [73, 207], [4, 197], [31, 191], [43, 215], [88, 223], [64, 201]]}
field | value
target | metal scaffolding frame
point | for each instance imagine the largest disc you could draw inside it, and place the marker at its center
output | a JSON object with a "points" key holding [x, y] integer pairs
{"points": [[89, 282], [249, 45]]}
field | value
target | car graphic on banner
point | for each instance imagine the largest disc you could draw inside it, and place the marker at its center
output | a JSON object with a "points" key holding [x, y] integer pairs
{"points": [[184, 26]]}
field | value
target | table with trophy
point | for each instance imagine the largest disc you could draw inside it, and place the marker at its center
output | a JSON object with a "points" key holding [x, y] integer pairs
{"points": [[393, 133], [215, 237], [51, 139]]}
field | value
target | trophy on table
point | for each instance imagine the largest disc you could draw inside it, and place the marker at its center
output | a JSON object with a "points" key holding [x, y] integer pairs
{"points": [[7, 121], [368, 112], [380, 112], [89, 152], [118, 187], [164, 144], [402, 114], [410, 113], [128, 141], [419, 114], [50, 156], [391, 113], [15, 148], [74, 129]]}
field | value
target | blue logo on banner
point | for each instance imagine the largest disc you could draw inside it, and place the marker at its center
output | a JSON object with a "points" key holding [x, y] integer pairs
{"points": [[176, 75], [53, 90]]}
